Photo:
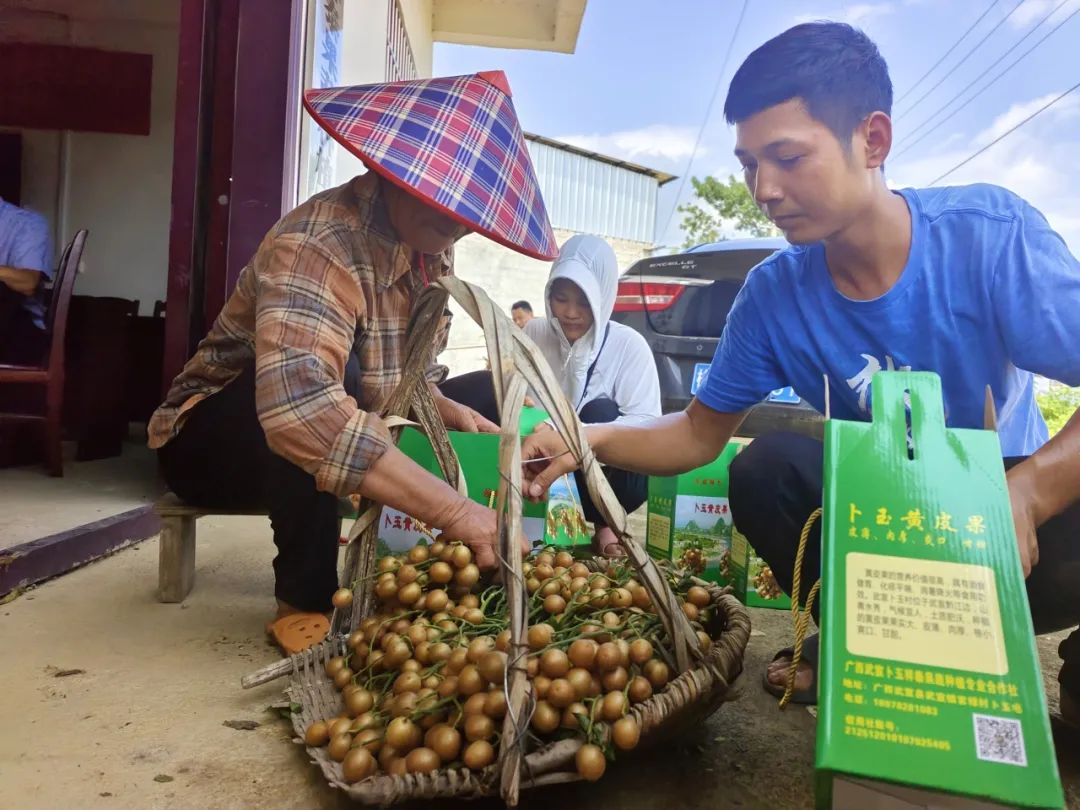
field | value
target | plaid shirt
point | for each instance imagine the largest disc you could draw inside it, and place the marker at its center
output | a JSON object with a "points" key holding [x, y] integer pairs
{"points": [[329, 280]]}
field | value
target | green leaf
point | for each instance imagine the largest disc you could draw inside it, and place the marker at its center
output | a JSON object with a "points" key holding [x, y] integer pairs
{"points": [[1058, 405], [719, 205]]}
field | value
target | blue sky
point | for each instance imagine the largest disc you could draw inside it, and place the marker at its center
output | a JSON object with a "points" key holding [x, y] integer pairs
{"points": [[639, 84]]}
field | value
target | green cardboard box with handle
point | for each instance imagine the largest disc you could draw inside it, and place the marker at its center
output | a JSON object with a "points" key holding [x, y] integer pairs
{"points": [[929, 682], [557, 520]]}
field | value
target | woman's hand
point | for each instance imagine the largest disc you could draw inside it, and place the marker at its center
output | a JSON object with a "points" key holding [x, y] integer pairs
{"points": [[461, 417], [477, 527]]}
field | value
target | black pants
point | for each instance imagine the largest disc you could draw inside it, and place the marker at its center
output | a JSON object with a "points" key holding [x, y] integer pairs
{"points": [[220, 459], [21, 341], [631, 489], [777, 481]]}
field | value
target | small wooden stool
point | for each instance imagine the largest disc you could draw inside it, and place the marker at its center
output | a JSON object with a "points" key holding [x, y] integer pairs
{"points": [[176, 549]]}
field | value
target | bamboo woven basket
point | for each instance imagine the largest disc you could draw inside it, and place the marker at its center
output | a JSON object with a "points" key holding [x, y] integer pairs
{"points": [[704, 680]]}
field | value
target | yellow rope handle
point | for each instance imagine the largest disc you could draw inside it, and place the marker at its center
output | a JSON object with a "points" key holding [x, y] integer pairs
{"points": [[801, 617]]}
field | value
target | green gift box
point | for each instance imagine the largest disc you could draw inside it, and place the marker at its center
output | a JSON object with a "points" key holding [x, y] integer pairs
{"points": [[689, 519], [558, 520], [752, 579], [930, 689]]}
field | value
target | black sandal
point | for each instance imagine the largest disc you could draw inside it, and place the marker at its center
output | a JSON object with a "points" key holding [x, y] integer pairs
{"points": [[804, 697]]}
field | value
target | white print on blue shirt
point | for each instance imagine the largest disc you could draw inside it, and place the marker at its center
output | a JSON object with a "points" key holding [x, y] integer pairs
{"points": [[860, 383]]}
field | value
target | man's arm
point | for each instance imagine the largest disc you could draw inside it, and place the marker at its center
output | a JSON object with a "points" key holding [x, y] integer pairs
{"points": [[20, 280], [1045, 485], [668, 445], [31, 255], [1035, 289]]}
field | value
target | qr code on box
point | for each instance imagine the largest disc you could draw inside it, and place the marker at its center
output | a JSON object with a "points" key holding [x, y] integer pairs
{"points": [[999, 739]]}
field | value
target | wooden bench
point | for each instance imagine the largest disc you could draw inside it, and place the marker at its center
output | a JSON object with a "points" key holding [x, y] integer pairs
{"points": [[176, 549]]}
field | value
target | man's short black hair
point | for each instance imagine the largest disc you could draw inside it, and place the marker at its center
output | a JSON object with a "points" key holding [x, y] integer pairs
{"points": [[834, 68], [525, 305]]}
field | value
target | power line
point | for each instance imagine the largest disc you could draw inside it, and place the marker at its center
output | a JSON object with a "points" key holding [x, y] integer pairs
{"points": [[1005, 134], [966, 56], [955, 45], [913, 143], [708, 115]]}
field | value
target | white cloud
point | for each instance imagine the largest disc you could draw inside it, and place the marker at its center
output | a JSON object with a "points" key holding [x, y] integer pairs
{"points": [[1067, 108], [858, 14], [1036, 161], [654, 141], [1033, 10]]}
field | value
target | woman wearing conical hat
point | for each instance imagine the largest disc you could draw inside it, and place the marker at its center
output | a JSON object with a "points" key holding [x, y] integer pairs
{"points": [[278, 408]]}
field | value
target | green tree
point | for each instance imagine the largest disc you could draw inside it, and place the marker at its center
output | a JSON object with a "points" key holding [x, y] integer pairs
{"points": [[1058, 405], [717, 202]]}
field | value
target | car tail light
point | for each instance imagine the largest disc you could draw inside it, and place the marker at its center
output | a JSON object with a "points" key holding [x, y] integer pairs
{"points": [[635, 295]]}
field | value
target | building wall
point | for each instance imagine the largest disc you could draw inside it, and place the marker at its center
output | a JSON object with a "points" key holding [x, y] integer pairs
{"points": [[117, 186], [363, 58], [418, 16], [506, 276]]}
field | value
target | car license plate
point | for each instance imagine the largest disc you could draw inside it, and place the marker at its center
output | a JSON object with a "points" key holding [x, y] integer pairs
{"points": [[701, 373], [787, 395]]}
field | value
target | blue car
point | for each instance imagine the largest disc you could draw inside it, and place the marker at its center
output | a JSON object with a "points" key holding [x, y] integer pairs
{"points": [[680, 304]]}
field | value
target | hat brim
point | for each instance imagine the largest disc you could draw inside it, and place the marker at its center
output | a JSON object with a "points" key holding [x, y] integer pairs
{"points": [[385, 174]]}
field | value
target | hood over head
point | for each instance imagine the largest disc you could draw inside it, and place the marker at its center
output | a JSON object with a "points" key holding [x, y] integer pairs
{"points": [[590, 263]]}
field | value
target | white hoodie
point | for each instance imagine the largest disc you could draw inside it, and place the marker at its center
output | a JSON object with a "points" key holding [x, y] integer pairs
{"points": [[625, 371]]}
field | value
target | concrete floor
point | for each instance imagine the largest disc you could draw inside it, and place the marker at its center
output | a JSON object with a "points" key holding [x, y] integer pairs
{"points": [[140, 725], [34, 505]]}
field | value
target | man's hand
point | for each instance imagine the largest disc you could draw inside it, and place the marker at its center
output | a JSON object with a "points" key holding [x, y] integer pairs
{"points": [[461, 417], [24, 282], [477, 527], [545, 459], [1022, 495]]}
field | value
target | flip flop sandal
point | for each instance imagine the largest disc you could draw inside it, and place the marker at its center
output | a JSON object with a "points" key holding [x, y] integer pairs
{"points": [[805, 697], [298, 631]]}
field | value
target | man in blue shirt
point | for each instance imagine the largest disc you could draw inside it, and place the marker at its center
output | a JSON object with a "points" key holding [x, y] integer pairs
{"points": [[25, 261], [970, 283]]}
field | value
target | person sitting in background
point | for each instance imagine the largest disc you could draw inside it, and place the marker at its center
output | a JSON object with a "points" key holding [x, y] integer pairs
{"points": [[606, 369], [25, 262], [522, 313]]}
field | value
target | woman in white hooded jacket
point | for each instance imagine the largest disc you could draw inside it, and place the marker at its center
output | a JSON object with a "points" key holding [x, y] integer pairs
{"points": [[606, 369]]}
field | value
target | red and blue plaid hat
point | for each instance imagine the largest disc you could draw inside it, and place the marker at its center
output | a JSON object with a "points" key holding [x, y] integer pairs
{"points": [[455, 142]]}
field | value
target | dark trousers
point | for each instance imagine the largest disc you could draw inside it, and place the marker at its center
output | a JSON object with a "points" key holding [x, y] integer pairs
{"points": [[631, 489], [220, 459], [777, 481], [21, 342]]}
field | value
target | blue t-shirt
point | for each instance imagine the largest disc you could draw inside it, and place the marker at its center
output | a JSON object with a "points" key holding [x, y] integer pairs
{"points": [[989, 295]]}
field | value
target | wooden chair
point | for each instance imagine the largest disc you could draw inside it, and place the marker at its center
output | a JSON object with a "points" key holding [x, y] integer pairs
{"points": [[49, 374]]}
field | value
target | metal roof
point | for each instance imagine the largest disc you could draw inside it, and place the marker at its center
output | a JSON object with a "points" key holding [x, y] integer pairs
{"points": [[660, 177], [587, 192]]}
